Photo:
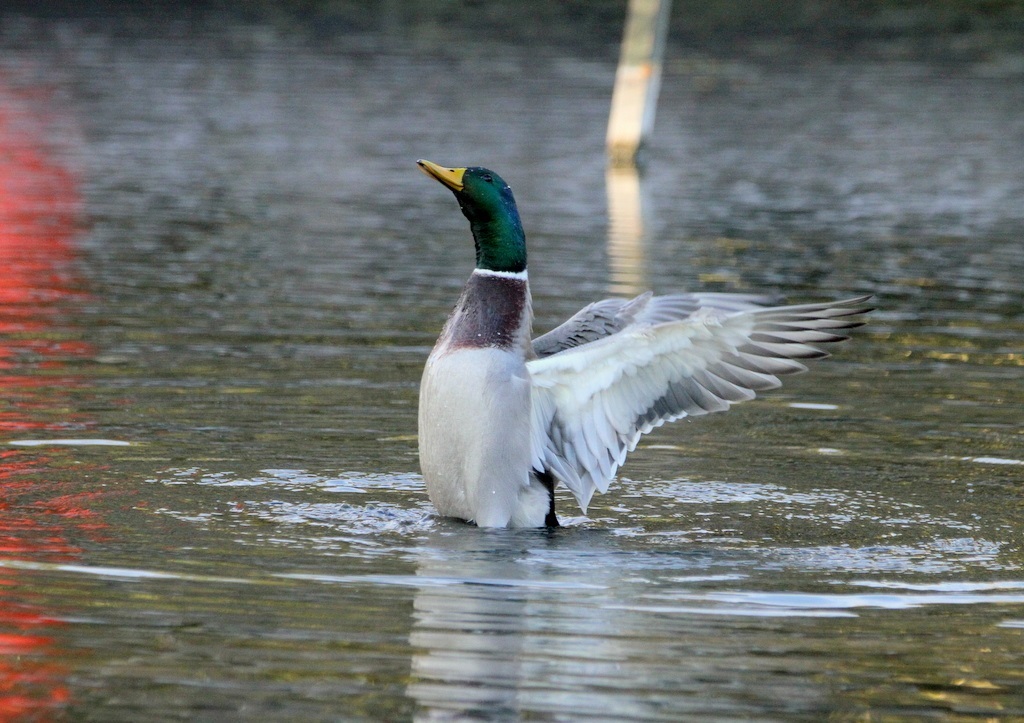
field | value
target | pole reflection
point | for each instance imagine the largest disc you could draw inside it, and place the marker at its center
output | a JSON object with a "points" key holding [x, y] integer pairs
{"points": [[626, 253], [39, 203]]}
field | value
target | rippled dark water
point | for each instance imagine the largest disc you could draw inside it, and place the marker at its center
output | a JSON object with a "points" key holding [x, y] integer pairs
{"points": [[215, 250]]}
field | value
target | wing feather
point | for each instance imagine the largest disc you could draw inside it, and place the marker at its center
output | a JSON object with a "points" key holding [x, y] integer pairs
{"points": [[611, 316], [618, 369], [772, 366]]}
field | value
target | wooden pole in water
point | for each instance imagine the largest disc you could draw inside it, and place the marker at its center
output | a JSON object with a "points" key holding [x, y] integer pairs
{"points": [[637, 79]]}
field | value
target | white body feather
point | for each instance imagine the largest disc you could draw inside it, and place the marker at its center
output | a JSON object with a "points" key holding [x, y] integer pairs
{"points": [[474, 426]]}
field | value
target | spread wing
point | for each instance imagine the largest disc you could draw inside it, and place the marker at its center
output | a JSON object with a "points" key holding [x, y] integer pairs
{"points": [[592, 401], [610, 316]]}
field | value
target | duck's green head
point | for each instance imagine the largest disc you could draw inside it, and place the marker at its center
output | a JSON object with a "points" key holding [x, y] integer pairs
{"points": [[486, 200]]}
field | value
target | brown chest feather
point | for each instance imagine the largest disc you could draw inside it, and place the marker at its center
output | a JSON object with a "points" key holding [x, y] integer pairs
{"points": [[493, 311]]}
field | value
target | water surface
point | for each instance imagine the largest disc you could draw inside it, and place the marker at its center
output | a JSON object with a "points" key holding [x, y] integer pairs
{"points": [[221, 274]]}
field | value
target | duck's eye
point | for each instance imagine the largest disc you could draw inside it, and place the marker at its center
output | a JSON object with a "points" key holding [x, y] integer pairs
{"points": [[487, 177]]}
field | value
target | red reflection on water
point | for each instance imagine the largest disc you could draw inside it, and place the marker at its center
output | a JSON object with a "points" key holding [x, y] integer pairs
{"points": [[39, 203]]}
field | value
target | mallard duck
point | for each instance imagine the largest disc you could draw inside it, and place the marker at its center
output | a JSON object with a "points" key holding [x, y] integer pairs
{"points": [[504, 418]]}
